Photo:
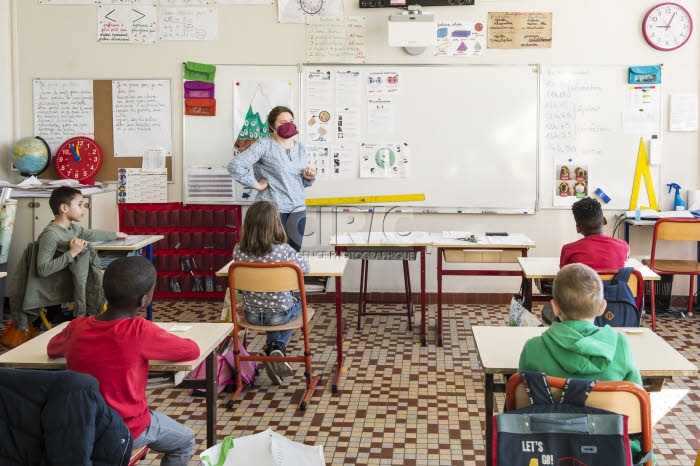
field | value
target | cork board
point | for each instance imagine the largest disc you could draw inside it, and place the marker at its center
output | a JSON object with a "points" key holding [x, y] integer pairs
{"points": [[104, 135]]}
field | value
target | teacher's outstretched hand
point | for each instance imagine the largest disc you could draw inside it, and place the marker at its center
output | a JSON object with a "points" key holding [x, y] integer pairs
{"points": [[276, 167]]}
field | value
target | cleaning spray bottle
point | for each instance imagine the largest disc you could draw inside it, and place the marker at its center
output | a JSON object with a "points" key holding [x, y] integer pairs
{"points": [[678, 202]]}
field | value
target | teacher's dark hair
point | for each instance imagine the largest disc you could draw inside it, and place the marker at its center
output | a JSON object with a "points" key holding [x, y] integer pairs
{"points": [[262, 229], [127, 280], [274, 113]]}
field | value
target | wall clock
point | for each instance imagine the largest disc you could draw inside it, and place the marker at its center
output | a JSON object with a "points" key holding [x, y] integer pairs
{"points": [[667, 26], [79, 158]]}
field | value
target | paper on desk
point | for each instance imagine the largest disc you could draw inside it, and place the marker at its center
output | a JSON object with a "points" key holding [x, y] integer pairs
{"points": [[179, 328], [456, 234], [30, 182]]}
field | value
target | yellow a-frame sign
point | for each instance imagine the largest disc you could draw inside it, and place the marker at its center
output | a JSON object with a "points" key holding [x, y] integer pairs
{"points": [[643, 170]]}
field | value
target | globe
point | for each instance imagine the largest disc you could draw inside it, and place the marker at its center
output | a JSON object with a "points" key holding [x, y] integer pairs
{"points": [[31, 156]]}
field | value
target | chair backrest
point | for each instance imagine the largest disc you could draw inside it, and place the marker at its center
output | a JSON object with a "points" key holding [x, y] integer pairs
{"points": [[635, 283], [266, 277], [625, 398], [674, 229]]}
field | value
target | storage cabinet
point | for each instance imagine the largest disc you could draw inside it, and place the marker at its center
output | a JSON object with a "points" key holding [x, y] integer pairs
{"points": [[199, 240]]}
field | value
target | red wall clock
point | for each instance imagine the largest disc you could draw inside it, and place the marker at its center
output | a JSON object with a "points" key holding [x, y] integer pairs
{"points": [[79, 158]]}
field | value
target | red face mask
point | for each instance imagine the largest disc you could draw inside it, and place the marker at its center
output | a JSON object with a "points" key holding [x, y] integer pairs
{"points": [[287, 130]]}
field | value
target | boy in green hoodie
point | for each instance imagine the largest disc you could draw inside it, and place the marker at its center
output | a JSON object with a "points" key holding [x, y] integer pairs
{"points": [[575, 347]]}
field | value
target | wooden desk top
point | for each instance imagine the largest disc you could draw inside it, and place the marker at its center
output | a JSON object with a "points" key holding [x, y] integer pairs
{"points": [[32, 354], [499, 350], [512, 241], [132, 243], [381, 239], [320, 267], [547, 267]]}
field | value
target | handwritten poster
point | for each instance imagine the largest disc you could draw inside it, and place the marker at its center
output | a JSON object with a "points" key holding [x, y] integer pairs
{"points": [[67, 2], [142, 116], [126, 24], [186, 2], [460, 38], [200, 23], [516, 30], [126, 2], [297, 11], [337, 39], [63, 108]]}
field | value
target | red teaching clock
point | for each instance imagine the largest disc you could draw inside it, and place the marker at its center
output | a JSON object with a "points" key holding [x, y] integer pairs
{"points": [[79, 158]]}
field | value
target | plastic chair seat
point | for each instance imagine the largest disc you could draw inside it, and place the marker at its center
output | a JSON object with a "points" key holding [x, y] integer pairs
{"points": [[678, 266], [296, 323]]}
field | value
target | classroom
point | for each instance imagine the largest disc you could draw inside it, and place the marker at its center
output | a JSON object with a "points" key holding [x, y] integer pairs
{"points": [[415, 150]]}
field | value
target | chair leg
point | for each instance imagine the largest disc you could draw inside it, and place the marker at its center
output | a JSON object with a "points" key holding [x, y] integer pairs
{"points": [[409, 295], [311, 380], [652, 298], [361, 308], [690, 295], [237, 363]]}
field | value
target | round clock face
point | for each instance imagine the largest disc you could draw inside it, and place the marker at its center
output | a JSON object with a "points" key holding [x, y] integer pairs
{"points": [[311, 7], [79, 158], [667, 26]]}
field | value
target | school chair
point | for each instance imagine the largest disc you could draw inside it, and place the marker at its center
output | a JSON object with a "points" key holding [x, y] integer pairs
{"points": [[674, 229], [137, 454], [635, 283], [270, 277], [626, 398]]}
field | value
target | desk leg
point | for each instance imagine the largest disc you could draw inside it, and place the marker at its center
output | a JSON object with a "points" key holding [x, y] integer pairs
{"points": [[488, 399], [211, 399], [527, 293], [652, 305], [438, 331], [408, 293], [148, 253], [627, 233], [338, 332], [423, 304]]}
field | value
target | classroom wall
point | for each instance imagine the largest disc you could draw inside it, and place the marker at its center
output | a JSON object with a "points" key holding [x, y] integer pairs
{"points": [[6, 104], [60, 42]]}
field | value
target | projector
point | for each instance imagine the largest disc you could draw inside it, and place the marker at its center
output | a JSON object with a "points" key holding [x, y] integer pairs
{"points": [[411, 29]]}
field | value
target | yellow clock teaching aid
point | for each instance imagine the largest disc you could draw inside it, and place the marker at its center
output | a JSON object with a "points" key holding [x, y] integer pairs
{"points": [[667, 26]]}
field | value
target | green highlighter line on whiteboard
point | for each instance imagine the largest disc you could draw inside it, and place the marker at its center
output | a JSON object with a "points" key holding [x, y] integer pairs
{"points": [[678, 202]]}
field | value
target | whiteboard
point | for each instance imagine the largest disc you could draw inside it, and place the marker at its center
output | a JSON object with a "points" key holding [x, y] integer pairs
{"points": [[581, 111], [471, 132]]}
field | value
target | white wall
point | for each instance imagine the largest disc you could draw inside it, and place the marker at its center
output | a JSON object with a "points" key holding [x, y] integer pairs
{"points": [[6, 82], [60, 42]]}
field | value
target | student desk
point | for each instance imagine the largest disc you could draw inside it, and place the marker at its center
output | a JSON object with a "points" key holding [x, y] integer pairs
{"points": [[494, 250], [499, 351], [387, 246], [132, 243], [32, 355], [324, 267], [547, 268]]}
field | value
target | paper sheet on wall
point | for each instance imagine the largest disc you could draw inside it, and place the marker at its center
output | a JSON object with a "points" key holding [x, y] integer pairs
{"points": [[136, 185], [126, 2], [519, 30], [571, 181], [390, 160], [317, 158], [318, 124], [67, 2], [209, 184], [142, 116], [63, 108], [185, 2], [348, 129], [383, 82], [641, 114], [348, 88], [683, 112], [189, 23], [296, 11], [460, 38], [380, 116], [344, 160], [126, 24], [252, 102], [244, 2], [336, 39], [319, 91]]}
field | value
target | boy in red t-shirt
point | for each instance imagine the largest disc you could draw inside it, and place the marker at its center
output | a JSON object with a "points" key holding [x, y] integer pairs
{"points": [[115, 347], [595, 249]]}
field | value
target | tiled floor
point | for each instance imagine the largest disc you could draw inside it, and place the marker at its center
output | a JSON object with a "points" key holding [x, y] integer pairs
{"points": [[398, 402]]}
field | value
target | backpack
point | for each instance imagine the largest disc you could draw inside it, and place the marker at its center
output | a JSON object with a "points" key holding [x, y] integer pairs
{"points": [[565, 433], [622, 308], [225, 368]]}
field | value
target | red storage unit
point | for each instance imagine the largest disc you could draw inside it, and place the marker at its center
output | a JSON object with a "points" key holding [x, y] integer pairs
{"points": [[201, 236]]}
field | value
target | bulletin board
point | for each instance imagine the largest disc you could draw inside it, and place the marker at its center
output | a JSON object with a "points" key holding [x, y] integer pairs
{"points": [[582, 126], [101, 107], [471, 131]]}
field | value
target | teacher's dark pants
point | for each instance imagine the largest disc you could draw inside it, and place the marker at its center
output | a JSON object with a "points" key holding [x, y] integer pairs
{"points": [[295, 224]]}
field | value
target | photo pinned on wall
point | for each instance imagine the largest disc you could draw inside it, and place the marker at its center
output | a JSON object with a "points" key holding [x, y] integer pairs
{"points": [[571, 182], [317, 158], [390, 160], [318, 123]]}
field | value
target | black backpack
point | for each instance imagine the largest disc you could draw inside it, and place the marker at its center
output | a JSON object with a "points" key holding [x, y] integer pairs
{"points": [[622, 308]]}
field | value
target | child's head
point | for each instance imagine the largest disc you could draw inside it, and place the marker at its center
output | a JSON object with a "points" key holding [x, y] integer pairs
{"points": [[262, 228], [128, 283], [588, 216], [577, 293], [68, 201]]}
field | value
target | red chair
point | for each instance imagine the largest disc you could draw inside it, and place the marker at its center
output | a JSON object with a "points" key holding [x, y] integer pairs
{"points": [[137, 454], [674, 229]]}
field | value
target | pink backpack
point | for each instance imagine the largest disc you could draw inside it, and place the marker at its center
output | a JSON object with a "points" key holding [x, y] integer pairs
{"points": [[225, 364]]}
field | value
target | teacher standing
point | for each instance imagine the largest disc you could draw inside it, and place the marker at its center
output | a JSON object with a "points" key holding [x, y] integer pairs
{"points": [[276, 167]]}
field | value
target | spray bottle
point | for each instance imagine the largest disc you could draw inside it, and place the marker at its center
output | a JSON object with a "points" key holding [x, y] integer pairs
{"points": [[678, 202]]}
